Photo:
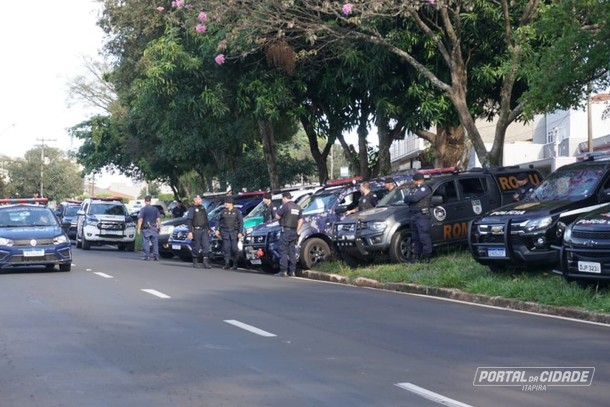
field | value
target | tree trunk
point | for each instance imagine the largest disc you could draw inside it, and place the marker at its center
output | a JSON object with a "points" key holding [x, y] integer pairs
{"points": [[266, 130], [363, 131], [318, 157], [449, 146]]}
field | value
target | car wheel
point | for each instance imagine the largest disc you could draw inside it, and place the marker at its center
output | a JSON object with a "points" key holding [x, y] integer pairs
{"points": [[86, 244], [79, 243], [401, 246], [314, 251], [131, 247], [49, 266], [121, 247], [65, 267]]}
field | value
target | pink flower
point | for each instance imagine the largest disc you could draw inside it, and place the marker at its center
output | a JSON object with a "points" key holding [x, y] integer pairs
{"points": [[160, 8], [178, 3], [347, 9], [203, 17], [220, 59], [201, 28]]}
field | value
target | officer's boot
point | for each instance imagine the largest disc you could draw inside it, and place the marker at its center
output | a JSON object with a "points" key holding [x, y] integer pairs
{"points": [[425, 258], [206, 263], [234, 267], [227, 264], [195, 262]]}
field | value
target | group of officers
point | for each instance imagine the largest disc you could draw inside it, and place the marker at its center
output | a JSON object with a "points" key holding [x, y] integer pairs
{"points": [[229, 228]]}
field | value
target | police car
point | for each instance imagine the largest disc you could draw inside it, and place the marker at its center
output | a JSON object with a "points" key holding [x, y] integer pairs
{"points": [[105, 221], [31, 235], [528, 233], [458, 197], [585, 252]]}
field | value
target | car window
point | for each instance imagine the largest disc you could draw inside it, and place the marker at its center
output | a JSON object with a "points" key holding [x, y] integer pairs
{"points": [[447, 191], [472, 187], [319, 203], [71, 210]]}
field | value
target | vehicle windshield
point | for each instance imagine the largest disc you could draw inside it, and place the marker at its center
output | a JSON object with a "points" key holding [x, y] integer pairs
{"points": [[108, 209], [570, 185], [259, 209], [319, 204], [71, 210], [395, 197], [27, 217]]}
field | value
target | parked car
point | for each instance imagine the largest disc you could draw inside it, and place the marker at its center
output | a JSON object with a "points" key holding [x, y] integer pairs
{"points": [[320, 211], [167, 228], [529, 233], [31, 235], [457, 198], [66, 213], [584, 255], [105, 221]]}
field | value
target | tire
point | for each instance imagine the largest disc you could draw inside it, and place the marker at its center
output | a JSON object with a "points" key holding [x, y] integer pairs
{"points": [[79, 243], [86, 244], [49, 266], [401, 246], [350, 260], [314, 251], [65, 267], [121, 247], [130, 247]]}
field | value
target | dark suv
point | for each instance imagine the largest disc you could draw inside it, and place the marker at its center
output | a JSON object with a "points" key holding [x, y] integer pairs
{"points": [[529, 232], [458, 197], [66, 213]]}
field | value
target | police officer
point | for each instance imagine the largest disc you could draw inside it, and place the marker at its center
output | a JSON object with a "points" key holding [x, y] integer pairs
{"points": [[390, 184], [524, 187], [270, 208], [367, 199], [198, 225], [229, 227], [290, 216], [149, 224], [418, 198]]}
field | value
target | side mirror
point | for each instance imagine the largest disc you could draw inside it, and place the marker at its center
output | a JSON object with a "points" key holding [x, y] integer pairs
{"points": [[605, 195], [436, 200], [80, 212]]}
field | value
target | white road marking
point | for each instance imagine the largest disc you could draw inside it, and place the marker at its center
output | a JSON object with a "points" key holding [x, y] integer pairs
{"points": [[427, 394], [103, 275], [155, 292], [249, 328]]}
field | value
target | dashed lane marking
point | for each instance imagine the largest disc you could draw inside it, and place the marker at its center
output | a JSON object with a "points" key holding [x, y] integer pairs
{"points": [[249, 328], [103, 274], [156, 293], [427, 394]]}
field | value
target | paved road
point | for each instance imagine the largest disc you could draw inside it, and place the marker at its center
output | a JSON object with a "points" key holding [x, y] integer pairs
{"points": [[117, 331]]}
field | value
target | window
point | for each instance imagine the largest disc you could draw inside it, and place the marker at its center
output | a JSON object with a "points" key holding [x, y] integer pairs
{"points": [[472, 187], [448, 191]]}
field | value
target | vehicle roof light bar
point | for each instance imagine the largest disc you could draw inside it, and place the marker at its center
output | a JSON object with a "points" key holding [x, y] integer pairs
{"points": [[24, 201], [342, 181]]}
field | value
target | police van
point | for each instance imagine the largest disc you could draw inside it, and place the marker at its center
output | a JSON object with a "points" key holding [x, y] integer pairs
{"points": [[457, 198], [528, 233], [105, 221]]}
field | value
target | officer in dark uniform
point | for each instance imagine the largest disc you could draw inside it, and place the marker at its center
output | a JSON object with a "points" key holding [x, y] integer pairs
{"points": [[270, 208], [418, 198], [367, 199], [149, 224], [290, 216], [524, 187], [199, 225], [229, 227]]}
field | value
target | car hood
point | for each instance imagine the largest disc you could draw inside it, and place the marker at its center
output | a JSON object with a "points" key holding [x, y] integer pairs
{"points": [[534, 209], [375, 214], [265, 228], [31, 232], [110, 218], [594, 220]]}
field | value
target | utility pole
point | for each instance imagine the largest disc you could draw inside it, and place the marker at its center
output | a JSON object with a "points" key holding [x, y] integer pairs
{"points": [[42, 140]]}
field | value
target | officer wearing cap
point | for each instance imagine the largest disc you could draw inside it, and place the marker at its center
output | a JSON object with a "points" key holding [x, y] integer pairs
{"points": [[367, 199], [149, 224], [199, 232], [229, 227], [270, 208], [290, 216], [524, 187], [418, 198], [390, 184]]}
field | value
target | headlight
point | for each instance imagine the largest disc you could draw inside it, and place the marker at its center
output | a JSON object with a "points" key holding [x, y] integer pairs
{"points": [[378, 226], [567, 235], [60, 239], [538, 224], [5, 242], [167, 229]]}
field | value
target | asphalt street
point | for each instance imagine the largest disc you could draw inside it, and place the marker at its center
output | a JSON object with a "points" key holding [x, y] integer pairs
{"points": [[119, 331]]}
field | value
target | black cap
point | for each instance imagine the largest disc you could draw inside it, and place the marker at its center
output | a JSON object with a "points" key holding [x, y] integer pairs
{"points": [[229, 199], [418, 176], [389, 180], [267, 195], [147, 198], [196, 196], [522, 176], [287, 195]]}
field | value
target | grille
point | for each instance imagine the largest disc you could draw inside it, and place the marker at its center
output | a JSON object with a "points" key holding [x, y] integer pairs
{"points": [[591, 235], [39, 242], [111, 225], [346, 227]]}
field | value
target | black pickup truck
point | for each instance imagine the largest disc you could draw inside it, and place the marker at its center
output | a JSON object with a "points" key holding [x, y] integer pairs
{"points": [[530, 232], [458, 197]]}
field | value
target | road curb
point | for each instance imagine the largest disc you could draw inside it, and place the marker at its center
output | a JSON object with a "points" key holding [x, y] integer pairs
{"points": [[459, 295]]}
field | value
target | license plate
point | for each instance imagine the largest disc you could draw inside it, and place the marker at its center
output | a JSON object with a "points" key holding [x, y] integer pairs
{"points": [[349, 237], [255, 261], [112, 232], [176, 247], [589, 267], [496, 252], [33, 253]]}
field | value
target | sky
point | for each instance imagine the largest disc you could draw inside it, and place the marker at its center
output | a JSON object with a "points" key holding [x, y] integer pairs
{"points": [[42, 44]]}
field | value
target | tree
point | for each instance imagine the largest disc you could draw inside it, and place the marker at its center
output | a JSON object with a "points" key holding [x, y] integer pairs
{"points": [[61, 177]]}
